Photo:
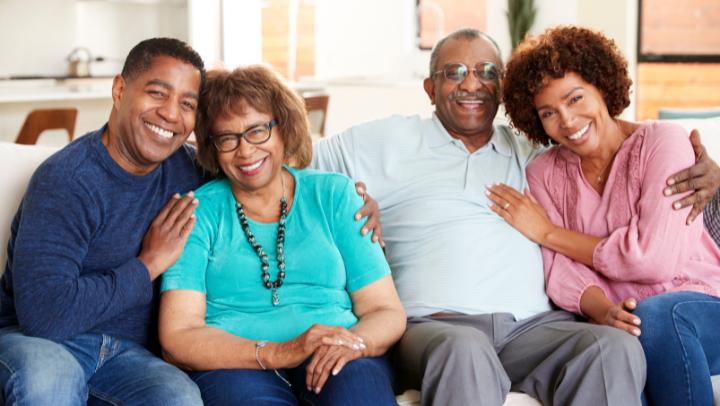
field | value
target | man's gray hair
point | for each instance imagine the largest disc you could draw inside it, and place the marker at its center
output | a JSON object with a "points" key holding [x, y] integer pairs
{"points": [[467, 34]]}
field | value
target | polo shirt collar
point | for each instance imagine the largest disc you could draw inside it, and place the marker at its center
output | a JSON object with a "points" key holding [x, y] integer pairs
{"points": [[437, 136]]}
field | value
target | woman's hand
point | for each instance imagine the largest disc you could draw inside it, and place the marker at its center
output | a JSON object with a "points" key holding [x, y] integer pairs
{"points": [[619, 316], [521, 211], [595, 305], [292, 353], [327, 360], [371, 210], [703, 179]]}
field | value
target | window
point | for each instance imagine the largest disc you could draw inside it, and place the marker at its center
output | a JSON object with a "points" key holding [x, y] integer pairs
{"points": [[448, 15], [275, 37], [678, 55]]}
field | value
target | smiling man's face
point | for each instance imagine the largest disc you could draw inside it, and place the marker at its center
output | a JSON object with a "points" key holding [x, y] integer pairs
{"points": [[466, 109], [154, 114]]}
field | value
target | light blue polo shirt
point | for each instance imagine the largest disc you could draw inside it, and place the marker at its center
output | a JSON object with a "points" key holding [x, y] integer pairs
{"points": [[447, 250], [326, 258]]}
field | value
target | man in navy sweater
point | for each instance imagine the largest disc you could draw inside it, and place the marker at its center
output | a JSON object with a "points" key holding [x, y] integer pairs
{"points": [[78, 295]]}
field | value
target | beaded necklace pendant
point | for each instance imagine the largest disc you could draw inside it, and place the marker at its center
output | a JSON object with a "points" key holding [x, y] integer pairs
{"points": [[261, 253]]}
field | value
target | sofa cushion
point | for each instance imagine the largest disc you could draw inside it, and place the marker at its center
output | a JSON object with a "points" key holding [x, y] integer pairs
{"points": [[709, 133], [17, 164]]}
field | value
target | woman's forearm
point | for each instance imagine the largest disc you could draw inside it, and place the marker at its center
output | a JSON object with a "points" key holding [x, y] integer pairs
{"points": [[594, 304], [572, 244], [380, 330], [208, 348]]}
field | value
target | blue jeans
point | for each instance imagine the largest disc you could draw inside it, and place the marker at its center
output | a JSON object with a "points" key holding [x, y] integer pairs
{"points": [[88, 368], [364, 381], [681, 340]]}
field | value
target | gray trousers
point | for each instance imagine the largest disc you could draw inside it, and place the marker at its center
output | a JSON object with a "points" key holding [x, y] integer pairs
{"points": [[478, 359]]}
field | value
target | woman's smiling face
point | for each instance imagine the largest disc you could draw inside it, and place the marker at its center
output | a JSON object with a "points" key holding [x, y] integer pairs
{"points": [[250, 167], [573, 113]]}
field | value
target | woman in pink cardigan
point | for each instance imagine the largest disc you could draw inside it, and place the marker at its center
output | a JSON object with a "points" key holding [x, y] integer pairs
{"points": [[615, 251]]}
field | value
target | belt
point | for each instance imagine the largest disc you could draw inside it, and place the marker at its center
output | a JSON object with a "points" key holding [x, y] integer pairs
{"points": [[443, 314]]}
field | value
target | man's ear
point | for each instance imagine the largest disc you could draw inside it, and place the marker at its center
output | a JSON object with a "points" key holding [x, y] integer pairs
{"points": [[429, 85], [119, 87]]}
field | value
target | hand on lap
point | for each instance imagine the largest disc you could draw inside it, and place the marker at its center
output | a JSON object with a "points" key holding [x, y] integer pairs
{"points": [[327, 360], [619, 316], [294, 352]]}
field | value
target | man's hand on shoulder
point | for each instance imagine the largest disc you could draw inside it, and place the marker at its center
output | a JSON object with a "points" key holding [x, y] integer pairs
{"points": [[165, 239], [703, 178], [371, 210]]}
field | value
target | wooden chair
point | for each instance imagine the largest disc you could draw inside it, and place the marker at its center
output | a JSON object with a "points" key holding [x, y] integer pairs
{"points": [[316, 105], [47, 119]]}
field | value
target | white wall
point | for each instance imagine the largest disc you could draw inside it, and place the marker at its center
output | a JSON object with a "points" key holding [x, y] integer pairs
{"points": [[367, 38], [372, 40], [36, 36], [111, 29]]}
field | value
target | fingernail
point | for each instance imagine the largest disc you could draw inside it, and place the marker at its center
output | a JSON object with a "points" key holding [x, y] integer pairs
{"points": [[340, 342], [363, 231], [487, 193], [671, 182], [195, 201], [689, 221], [374, 239], [309, 389], [192, 216], [667, 192], [362, 346], [489, 186], [361, 190], [335, 372], [176, 196], [676, 206], [636, 332], [360, 339], [497, 183], [356, 347], [490, 204], [191, 193], [636, 322], [317, 390], [357, 217]]}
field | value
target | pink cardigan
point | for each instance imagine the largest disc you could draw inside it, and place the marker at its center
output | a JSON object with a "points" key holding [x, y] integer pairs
{"points": [[647, 249]]}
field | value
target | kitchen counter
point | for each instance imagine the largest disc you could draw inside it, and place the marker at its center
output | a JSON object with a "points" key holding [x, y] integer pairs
{"points": [[15, 91]]}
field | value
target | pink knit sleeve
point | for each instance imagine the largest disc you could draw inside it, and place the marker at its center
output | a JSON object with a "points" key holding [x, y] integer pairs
{"points": [[565, 279], [656, 243]]}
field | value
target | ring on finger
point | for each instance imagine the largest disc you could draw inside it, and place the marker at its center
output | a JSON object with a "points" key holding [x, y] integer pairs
{"points": [[506, 206]]}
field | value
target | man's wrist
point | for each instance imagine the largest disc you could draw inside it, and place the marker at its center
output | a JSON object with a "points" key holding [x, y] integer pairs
{"points": [[150, 265]]}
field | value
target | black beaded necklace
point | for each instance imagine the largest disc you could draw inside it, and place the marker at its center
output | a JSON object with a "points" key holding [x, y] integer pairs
{"points": [[259, 250]]}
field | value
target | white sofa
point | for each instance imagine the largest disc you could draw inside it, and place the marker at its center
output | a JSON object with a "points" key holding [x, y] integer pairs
{"points": [[18, 162]]}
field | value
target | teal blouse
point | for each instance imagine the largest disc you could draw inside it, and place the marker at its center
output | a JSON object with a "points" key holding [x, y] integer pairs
{"points": [[325, 259]]}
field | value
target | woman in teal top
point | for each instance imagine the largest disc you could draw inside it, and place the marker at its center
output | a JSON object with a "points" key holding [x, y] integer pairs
{"points": [[277, 298]]}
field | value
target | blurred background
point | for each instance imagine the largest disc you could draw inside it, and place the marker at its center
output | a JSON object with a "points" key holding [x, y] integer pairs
{"points": [[368, 57]]}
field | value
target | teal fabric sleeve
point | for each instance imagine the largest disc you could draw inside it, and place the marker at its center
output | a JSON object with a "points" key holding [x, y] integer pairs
{"points": [[190, 269], [364, 260]]}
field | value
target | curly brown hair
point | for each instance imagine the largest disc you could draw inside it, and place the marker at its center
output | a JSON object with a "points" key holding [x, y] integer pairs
{"points": [[228, 92], [541, 58]]}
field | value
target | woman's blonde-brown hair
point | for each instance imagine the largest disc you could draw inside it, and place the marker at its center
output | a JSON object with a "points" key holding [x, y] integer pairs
{"points": [[229, 92]]}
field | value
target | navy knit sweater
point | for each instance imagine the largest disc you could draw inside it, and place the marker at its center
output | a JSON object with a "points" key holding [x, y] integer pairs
{"points": [[72, 265]]}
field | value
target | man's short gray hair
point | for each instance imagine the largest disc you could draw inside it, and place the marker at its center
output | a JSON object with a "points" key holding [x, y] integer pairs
{"points": [[467, 34]]}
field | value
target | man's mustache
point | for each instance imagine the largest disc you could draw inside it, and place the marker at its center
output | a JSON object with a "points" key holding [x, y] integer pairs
{"points": [[479, 95]]}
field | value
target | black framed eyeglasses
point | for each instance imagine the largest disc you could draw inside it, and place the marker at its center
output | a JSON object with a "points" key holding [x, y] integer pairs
{"points": [[254, 135], [457, 72]]}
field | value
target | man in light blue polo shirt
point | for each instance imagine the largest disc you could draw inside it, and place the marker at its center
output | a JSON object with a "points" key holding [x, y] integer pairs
{"points": [[480, 323]]}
